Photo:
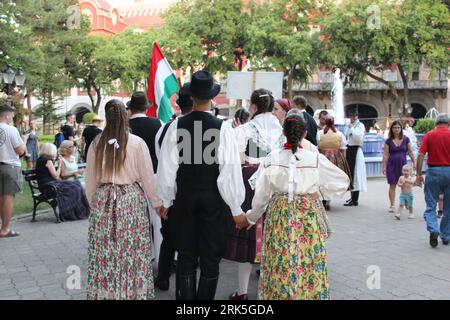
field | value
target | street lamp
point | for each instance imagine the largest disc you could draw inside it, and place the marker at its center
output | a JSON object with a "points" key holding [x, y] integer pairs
{"points": [[20, 78], [11, 79], [8, 75]]}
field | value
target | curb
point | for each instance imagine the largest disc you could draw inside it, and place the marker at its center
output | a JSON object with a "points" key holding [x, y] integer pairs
{"points": [[29, 215]]}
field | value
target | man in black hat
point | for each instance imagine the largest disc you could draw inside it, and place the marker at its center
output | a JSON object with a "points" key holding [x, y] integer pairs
{"points": [[143, 126], [11, 148], [355, 157], [200, 173], [167, 250]]}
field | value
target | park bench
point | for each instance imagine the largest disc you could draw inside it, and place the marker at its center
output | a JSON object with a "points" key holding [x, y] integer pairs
{"points": [[46, 194]]}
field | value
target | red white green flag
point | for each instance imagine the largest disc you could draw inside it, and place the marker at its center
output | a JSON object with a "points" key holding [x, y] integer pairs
{"points": [[162, 84]]}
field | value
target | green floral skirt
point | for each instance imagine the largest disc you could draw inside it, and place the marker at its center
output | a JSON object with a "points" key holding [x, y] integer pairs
{"points": [[294, 260], [120, 247]]}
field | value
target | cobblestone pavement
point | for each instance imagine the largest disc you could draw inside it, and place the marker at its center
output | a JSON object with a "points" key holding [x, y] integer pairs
{"points": [[34, 265]]}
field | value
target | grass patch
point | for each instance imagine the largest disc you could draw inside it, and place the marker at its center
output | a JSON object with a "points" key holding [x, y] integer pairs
{"points": [[46, 138]]}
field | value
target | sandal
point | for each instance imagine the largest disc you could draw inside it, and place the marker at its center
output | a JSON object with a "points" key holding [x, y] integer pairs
{"points": [[392, 209], [11, 234]]}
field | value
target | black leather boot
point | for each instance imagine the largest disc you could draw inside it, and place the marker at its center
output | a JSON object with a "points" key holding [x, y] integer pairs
{"points": [[207, 288], [186, 287]]}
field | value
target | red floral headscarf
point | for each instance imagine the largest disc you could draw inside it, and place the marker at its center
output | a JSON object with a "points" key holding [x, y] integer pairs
{"points": [[285, 104], [329, 124]]}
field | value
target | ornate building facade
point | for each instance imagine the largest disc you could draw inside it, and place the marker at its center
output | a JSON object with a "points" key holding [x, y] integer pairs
{"points": [[375, 101]]}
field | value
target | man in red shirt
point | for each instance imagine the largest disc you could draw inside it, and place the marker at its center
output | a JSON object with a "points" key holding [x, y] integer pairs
{"points": [[437, 144]]}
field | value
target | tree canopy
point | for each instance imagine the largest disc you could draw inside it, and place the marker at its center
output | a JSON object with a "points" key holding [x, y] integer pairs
{"points": [[293, 36]]}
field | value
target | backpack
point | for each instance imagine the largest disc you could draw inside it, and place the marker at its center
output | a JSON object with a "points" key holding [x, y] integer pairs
{"points": [[59, 138]]}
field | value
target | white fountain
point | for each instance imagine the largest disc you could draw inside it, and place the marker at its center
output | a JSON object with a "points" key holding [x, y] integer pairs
{"points": [[337, 98]]}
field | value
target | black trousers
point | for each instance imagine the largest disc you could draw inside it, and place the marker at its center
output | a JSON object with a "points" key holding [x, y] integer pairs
{"points": [[199, 230], [352, 152], [167, 250]]}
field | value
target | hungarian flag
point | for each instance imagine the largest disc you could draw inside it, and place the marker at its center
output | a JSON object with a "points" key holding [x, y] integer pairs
{"points": [[162, 84]]}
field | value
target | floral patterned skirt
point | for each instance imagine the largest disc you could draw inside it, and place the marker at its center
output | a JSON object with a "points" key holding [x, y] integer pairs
{"points": [[294, 260], [120, 245]]}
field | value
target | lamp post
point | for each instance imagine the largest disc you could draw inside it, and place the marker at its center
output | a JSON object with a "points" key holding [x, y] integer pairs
{"points": [[11, 79]]}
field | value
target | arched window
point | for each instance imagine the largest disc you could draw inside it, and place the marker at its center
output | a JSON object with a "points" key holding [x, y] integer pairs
{"points": [[418, 111]]}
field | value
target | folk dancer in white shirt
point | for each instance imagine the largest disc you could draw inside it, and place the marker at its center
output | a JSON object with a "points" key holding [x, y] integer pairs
{"points": [[289, 183], [355, 157], [256, 139], [167, 250], [200, 174]]}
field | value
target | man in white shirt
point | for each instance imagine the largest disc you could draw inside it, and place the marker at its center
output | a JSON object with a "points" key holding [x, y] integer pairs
{"points": [[167, 250], [355, 157], [199, 172], [11, 147]]}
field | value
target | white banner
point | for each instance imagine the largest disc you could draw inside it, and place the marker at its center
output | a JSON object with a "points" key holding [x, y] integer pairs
{"points": [[240, 85]]}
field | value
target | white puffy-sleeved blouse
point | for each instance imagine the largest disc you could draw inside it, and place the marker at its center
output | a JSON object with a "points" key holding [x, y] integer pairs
{"points": [[137, 168], [305, 172]]}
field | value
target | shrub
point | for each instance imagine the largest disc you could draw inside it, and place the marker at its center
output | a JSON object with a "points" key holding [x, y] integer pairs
{"points": [[87, 118], [424, 125]]}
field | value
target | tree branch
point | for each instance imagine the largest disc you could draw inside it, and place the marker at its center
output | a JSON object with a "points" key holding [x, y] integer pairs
{"points": [[391, 87]]}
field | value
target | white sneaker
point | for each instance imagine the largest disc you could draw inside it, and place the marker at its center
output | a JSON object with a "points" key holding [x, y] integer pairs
{"points": [[397, 216], [411, 216], [392, 209]]}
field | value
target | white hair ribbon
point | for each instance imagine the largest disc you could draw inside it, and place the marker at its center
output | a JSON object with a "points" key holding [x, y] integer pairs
{"points": [[116, 146], [292, 177]]}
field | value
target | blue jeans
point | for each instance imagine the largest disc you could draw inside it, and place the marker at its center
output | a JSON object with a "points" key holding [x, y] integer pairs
{"points": [[437, 182]]}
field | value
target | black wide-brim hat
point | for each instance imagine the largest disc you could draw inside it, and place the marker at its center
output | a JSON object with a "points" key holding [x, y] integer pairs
{"points": [[202, 86], [139, 100], [184, 98]]}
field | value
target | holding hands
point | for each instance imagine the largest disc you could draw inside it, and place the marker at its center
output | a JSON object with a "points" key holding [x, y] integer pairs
{"points": [[241, 221], [419, 181], [236, 123], [162, 212]]}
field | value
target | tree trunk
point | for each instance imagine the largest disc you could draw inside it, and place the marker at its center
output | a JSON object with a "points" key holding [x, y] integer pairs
{"points": [[290, 82], [44, 101], [88, 89], [50, 104], [405, 90], [99, 99], [30, 110]]}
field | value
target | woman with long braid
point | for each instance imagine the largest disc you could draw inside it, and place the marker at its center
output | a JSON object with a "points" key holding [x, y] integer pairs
{"points": [[256, 139], [119, 178], [289, 181]]}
